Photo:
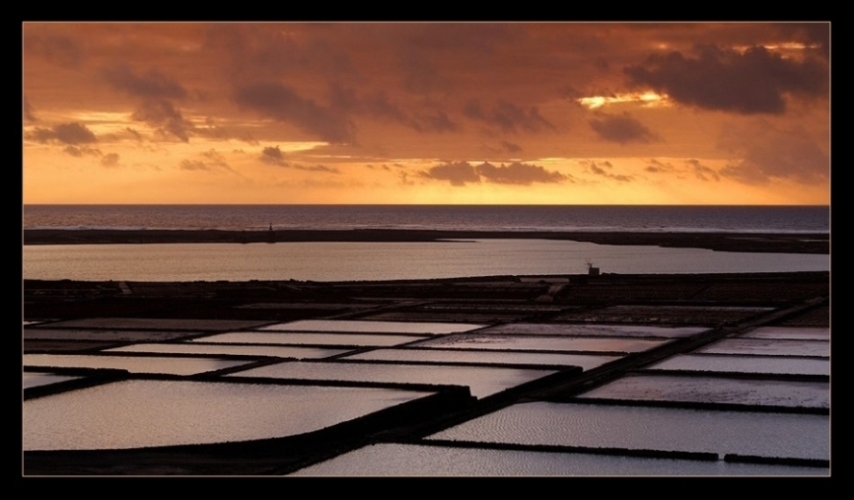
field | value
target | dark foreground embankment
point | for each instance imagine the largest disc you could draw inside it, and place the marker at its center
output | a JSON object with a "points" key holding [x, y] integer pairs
{"points": [[729, 242]]}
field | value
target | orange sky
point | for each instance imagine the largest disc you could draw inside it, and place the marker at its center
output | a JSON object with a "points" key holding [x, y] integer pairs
{"points": [[460, 113]]}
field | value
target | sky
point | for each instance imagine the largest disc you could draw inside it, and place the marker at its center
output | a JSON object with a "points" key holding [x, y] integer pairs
{"points": [[426, 113]]}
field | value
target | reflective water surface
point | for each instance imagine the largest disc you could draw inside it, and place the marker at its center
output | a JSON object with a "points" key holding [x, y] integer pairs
{"points": [[788, 332], [786, 393], [33, 379], [769, 347], [344, 339], [243, 350], [144, 413], [586, 362], [745, 364], [415, 460], [482, 381], [329, 261], [595, 330], [504, 342], [647, 428], [328, 325], [133, 364]]}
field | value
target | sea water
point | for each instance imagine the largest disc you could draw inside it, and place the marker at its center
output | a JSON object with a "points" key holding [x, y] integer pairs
{"points": [[744, 219], [344, 261]]}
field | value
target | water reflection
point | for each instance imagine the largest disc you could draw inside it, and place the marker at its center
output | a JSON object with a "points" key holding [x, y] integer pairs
{"points": [[328, 261]]}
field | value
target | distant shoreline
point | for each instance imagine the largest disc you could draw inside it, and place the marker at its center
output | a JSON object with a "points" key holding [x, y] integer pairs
{"points": [[808, 243]]}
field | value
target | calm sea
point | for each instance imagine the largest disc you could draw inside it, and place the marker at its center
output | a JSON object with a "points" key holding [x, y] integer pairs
{"points": [[789, 219], [331, 261]]}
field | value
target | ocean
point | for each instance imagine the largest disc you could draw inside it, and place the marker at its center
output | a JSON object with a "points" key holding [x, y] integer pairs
{"points": [[741, 219], [335, 261]]}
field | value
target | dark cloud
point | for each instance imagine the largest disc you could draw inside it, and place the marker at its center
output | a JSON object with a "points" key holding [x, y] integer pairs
{"points": [[460, 173], [508, 116], [749, 82], [28, 112], [435, 121], [378, 105], [212, 160], [281, 103], [601, 64], [764, 152], [656, 167], [598, 170], [79, 151], [150, 85], [511, 147], [268, 51], [58, 49], [110, 160], [570, 93], [622, 129], [193, 165], [404, 178], [420, 75], [477, 40], [316, 168], [344, 98], [273, 156], [136, 135], [457, 173], [703, 172], [810, 34], [65, 133], [518, 173], [162, 115]]}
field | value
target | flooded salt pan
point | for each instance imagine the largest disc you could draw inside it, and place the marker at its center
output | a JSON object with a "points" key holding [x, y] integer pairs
{"points": [[785, 393], [133, 364], [241, 350], [508, 342], [33, 379], [158, 324], [102, 335], [595, 330], [481, 381], [416, 460], [344, 339], [145, 413], [787, 365], [769, 347], [586, 362], [321, 325], [791, 333], [781, 435]]}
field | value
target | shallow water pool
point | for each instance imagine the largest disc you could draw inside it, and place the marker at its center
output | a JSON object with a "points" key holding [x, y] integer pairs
{"points": [[145, 413], [586, 362], [322, 325], [241, 350], [772, 365], [781, 435], [333, 339], [481, 381], [417, 460], [694, 389], [508, 342], [133, 364]]}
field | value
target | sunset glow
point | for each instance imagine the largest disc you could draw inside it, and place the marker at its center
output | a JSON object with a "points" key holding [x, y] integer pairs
{"points": [[435, 113], [645, 98]]}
